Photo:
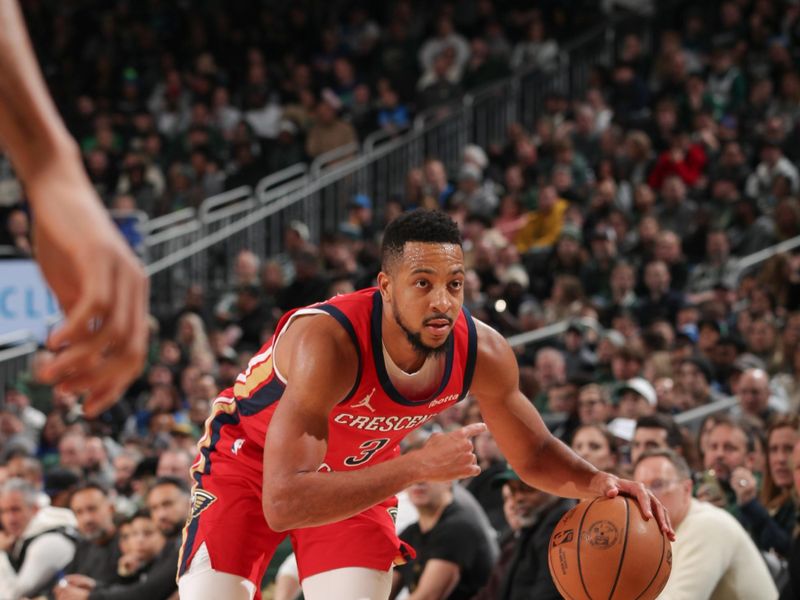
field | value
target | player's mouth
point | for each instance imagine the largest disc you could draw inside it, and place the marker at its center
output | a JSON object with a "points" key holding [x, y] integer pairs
{"points": [[438, 327]]}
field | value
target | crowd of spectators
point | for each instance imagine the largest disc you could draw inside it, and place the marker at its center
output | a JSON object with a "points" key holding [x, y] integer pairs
{"points": [[624, 213], [172, 103]]}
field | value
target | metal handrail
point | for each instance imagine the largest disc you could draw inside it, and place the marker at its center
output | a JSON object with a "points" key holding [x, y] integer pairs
{"points": [[283, 176], [172, 233], [326, 158], [170, 219], [694, 416], [767, 253], [209, 204]]}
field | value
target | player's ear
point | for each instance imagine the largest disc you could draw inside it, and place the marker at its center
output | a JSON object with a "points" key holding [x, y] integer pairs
{"points": [[385, 286]]}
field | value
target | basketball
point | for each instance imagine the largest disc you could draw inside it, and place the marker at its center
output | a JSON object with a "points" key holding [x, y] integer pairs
{"points": [[603, 548]]}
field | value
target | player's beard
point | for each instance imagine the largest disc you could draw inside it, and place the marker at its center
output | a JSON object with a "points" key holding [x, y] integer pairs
{"points": [[415, 337]]}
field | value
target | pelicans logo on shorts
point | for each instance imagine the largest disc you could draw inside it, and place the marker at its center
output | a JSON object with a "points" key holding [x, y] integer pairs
{"points": [[201, 500]]}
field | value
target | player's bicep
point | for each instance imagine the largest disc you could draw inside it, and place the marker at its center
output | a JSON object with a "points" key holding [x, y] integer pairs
{"points": [[513, 420], [317, 363]]}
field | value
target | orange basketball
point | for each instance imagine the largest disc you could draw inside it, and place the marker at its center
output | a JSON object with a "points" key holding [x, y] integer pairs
{"points": [[603, 548]]}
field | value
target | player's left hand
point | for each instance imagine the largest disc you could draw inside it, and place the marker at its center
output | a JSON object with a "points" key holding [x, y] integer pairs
{"points": [[648, 503], [99, 283]]}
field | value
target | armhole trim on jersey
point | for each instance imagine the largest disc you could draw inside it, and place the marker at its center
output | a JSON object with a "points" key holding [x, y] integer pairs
{"points": [[472, 353], [348, 327]]}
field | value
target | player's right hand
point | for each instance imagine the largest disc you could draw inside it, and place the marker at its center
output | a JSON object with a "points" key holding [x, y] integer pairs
{"points": [[449, 456], [99, 283]]}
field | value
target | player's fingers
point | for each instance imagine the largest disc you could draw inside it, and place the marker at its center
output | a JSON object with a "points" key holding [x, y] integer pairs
{"points": [[101, 399], [95, 302], [644, 499], [660, 512], [473, 429]]}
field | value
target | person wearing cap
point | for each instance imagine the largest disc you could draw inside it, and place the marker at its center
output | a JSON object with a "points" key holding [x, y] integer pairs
{"points": [[636, 398], [544, 224], [358, 225], [521, 572]]}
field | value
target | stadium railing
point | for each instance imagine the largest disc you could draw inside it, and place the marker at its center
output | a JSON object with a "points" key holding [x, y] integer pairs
{"points": [[319, 194]]}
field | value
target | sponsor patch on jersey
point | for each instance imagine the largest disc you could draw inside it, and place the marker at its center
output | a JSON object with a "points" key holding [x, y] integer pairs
{"points": [[392, 510], [201, 500]]}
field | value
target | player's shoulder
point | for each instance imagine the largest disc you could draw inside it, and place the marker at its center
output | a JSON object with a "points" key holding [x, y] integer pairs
{"points": [[317, 333], [493, 349]]}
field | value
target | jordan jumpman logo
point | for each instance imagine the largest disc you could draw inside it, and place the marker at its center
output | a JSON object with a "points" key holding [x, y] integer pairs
{"points": [[365, 402]]}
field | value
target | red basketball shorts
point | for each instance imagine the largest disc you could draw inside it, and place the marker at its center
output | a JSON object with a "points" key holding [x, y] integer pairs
{"points": [[227, 516]]}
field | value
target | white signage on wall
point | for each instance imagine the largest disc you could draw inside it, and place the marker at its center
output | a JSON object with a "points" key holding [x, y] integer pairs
{"points": [[26, 303]]}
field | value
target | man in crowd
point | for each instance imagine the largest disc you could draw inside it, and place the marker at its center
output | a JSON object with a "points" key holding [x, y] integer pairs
{"points": [[712, 556], [453, 553], [169, 504], [521, 572], [35, 544], [98, 551]]}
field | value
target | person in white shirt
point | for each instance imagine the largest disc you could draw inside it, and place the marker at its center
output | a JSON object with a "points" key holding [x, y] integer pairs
{"points": [[713, 556], [35, 543]]}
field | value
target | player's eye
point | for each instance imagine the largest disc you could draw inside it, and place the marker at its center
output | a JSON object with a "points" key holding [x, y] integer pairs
{"points": [[457, 284], [421, 283]]}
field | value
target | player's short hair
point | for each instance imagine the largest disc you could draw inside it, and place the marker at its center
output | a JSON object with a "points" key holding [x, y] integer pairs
{"points": [[427, 226]]}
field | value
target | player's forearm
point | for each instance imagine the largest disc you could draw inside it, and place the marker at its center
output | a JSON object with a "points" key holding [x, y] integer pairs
{"points": [[558, 470], [318, 498], [31, 131]]}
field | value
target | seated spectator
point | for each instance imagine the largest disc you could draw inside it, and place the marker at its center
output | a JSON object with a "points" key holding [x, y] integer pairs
{"points": [[35, 543], [654, 432], [492, 463], [771, 515], [730, 445], [149, 568], [712, 555], [329, 131], [594, 406], [98, 551], [596, 445], [440, 84], [454, 556], [635, 398], [718, 268], [753, 394], [544, 224], [522, 572]]}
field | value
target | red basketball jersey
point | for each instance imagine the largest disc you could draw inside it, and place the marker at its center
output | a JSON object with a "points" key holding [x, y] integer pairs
{"points": [[366, 427]]}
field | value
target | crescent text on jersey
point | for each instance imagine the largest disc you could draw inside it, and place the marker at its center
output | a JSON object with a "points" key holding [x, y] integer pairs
{"points": [[392, 423]]}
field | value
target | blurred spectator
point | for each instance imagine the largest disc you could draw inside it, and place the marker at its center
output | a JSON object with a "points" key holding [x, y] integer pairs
{"points": [[35, 544], [712, 554], [328, 131], [521, 571], [453, 555], [596, 445], [97, 552]]}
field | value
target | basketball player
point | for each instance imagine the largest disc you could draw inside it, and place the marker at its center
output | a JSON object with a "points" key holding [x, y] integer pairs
{"points": [[306, 442], [99, 284]]}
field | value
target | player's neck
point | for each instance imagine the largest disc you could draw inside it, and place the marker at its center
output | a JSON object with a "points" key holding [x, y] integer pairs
{"points": [[402, 353]]}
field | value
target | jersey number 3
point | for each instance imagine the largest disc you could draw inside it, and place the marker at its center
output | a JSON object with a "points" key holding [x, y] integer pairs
{"points": [[368, 450]]}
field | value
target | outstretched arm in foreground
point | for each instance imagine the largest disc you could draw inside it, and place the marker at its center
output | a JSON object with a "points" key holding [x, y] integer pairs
{"points": [[319, 361], [541, 460], [95, 276]]}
